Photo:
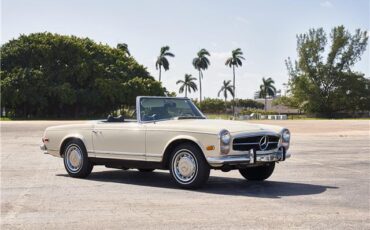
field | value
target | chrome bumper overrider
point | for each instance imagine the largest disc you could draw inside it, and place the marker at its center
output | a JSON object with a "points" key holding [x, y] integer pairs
{"points": [[248, 158], [43, 148]]}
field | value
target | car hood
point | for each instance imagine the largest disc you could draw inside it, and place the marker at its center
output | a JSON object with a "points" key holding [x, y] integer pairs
{"points": [[211, 126]]}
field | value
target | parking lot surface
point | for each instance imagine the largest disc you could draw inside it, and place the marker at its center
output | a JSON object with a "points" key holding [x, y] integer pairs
{"points": [[324, 185]]}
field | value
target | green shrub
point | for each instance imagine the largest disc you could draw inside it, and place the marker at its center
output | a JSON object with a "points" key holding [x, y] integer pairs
{"points": [[212, 105], [257, 111], [246, 103]]}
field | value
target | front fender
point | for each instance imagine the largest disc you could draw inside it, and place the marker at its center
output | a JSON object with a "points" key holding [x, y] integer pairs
{"points": [[184, 137]]}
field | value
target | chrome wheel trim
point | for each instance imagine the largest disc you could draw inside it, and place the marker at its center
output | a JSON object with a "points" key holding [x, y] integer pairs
{"points": [[184, 166], [74, 158]]}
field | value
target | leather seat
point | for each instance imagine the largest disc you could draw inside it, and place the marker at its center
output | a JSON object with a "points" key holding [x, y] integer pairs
{"points": [[120, 118]]}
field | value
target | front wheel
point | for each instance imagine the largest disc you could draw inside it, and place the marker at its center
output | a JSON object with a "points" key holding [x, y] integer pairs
{"points": [[188, 167], [258, 173], [76, 161]]}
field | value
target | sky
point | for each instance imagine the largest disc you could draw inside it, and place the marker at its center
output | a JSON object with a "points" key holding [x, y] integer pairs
{"points": [[264, 30]]}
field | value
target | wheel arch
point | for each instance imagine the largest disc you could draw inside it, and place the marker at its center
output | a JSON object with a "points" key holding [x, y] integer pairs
{"points": [[173, 143], [67, 139]]}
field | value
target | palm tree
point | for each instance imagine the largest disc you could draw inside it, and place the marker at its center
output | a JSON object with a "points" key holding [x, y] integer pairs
{"points": [[267, 88], [201, 62], [187, 84], [235, 61], [124, 48], [162, 60], [225, 89]]}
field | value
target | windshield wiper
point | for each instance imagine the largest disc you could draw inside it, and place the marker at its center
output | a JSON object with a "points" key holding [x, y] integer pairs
{"points": [[189, 117]]}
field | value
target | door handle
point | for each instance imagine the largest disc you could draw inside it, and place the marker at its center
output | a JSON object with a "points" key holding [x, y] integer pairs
{"points": [[96, 132]]}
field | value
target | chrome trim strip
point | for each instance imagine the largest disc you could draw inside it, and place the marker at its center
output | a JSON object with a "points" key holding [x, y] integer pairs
{"points": [[119, 153], [153, 154], [256, 133], [120, 156], [255, 143]]}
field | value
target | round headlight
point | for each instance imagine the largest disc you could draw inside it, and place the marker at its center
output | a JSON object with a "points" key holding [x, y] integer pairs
{"points": [[286, 135], [225, 137]]}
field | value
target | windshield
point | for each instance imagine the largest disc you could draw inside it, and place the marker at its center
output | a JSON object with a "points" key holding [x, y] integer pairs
{"points": [[153, 109]]}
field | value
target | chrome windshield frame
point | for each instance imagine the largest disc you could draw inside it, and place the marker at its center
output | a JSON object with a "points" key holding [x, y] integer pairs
{"points": [[138, 114]]}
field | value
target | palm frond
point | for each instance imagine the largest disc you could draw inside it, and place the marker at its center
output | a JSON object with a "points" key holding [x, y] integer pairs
{"points": [[270, 92], [231, 91], [267, 87], [169, 54], [196, 63], [236, 58], [158, 63], [239, 62], [193, 86], [220, 91], [164, 49], [203, 52], [181, 90], [229, 62], [165, 63]]}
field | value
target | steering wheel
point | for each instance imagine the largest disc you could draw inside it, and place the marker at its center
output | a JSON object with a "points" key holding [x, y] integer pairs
{"points": [[153, 116], [149, 118]]}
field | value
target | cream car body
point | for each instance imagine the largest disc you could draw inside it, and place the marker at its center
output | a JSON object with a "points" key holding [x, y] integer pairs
{"points": [[149, 144]]}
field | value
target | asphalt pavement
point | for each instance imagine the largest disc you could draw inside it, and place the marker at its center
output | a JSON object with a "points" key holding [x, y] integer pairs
{"points": [[324, 185]]}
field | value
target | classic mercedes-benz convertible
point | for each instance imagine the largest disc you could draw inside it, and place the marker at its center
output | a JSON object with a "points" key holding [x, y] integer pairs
{"points": [[169, 133]]}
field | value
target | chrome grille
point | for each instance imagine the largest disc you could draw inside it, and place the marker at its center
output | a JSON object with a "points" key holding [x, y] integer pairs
{"points": [[253, 142]]}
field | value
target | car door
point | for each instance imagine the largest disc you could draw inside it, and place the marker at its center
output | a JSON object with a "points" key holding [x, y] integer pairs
{"points": [[119, 140]]}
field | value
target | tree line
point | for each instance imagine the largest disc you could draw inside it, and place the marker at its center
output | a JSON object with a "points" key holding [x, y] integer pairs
{"points": [[201, 62], [323, 86], [51, 75]]}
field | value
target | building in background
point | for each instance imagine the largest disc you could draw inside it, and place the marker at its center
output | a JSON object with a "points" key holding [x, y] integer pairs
{"points": [[281, 109]]}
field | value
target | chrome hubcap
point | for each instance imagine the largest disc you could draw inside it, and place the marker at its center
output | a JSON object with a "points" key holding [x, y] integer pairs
{"points": [[185, 166], [74, 158]]}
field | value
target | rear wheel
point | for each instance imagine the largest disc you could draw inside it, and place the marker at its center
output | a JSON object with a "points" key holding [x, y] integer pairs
{"points": [[188, 167], [76, 161], [258, 173]]}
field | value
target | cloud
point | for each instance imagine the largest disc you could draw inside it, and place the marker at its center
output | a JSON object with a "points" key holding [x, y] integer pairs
{"points": [[326, 4]]}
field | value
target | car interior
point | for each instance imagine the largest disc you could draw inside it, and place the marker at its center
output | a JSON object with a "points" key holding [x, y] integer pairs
{"points": [[120, 118]]}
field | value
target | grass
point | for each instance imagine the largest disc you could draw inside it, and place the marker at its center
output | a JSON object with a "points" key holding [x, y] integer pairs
{"points": [[5, 119], [219, 116]]}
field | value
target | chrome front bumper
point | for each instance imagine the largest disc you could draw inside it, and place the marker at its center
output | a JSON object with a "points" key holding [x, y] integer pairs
{"points": [[249, 158]]}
